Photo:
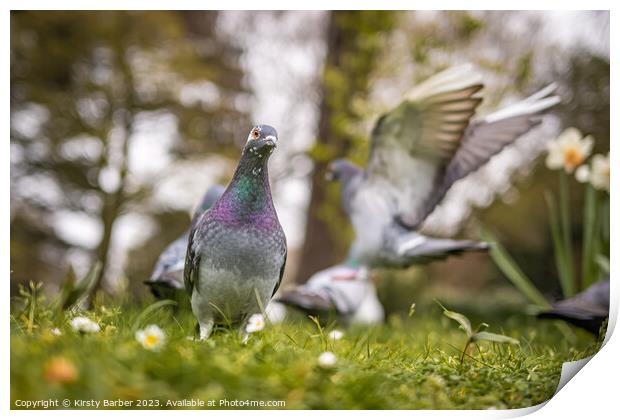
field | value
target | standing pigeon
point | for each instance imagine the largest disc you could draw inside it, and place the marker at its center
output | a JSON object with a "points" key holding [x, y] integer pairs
{"points": [[344, 290], [167, 276], [237, 249], [418, 151], [587, 309]]}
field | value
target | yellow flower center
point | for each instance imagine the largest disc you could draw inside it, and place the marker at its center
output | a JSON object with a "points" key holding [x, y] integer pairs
{"points": [[150, 340], [572, 157]]}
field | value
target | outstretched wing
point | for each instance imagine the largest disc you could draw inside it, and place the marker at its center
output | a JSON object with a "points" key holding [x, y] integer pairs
{"points": [[485, 138], [429, 141], [414, 143]]}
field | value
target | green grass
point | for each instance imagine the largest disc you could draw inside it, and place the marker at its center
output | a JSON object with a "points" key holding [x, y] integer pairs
{"points": [[409, 363]]}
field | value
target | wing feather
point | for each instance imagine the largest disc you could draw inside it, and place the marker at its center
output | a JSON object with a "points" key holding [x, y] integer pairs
{"points": [[429, 141], [412, 144]]}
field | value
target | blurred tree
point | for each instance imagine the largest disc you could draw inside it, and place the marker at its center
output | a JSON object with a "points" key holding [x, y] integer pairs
{"points": [[354, 41], [80, 84]]}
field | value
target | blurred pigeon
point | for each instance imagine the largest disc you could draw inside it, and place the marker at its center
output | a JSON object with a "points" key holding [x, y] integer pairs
{"points": [[167, 276], [344, 290], [237, 249], [587, 310], [418, 151]]}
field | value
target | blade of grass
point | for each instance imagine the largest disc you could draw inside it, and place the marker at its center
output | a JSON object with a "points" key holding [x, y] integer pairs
{"points": [[565, 218], [511, 270], [150, 310], [558, 245], [589, 269]]}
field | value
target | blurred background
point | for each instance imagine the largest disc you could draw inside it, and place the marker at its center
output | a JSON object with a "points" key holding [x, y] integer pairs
{"points": [[121, 120]]}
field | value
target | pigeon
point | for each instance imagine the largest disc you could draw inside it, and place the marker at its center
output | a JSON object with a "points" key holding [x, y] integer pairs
{"points": [[418, 151], [167, 277], [344, 290], [587, 310], [237, 249]]}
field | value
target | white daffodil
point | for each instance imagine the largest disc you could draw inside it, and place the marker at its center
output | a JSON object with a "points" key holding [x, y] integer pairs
{"points": [[255, 323], [336, 335], [55, 331], [582, 174], [569, 150], [84, 325], [151, 338], [327, 359], [599, 173]]}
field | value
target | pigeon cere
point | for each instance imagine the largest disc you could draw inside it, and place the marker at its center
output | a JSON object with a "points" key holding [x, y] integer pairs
{"points": [[310, 209]]}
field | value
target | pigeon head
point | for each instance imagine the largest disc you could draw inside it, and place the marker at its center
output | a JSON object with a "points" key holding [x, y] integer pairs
{"points": [[342, 170], [261, 142]]}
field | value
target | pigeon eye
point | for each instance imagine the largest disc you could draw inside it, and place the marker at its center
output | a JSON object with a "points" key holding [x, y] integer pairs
{"points": [[255, 134]]}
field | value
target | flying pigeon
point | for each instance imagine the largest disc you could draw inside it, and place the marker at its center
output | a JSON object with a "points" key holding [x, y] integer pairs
{"points": [[167, 276], [344, 290], [237, 249], [587, 310], [418, 151]]}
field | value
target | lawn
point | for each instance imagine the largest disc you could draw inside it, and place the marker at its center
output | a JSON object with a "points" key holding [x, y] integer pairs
{"points": [[409, 363]]}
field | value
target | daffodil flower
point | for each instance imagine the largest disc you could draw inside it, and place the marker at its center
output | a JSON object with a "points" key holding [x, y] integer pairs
{"points": [[596, 174], [151, 338], [255, 323], [599, 174], [84, 325], [569, 150]]}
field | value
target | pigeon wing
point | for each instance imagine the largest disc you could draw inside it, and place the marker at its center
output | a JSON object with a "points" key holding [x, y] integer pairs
{"points": [[412, 145], [192, 262], [485, 138]]}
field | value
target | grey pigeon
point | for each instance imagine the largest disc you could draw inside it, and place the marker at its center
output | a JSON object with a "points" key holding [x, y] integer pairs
{"points": [[587, 310], [344, 290], [237, 249], [167, 276], [418, 151]]}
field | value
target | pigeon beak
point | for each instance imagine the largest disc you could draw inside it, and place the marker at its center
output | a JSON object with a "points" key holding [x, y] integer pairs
{"points": [[271, 141]]}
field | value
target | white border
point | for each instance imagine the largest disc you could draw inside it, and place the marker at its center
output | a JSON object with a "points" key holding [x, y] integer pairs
{"points": [[593, 393]]}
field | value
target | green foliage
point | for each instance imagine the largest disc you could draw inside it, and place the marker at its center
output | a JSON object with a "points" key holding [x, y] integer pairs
{"points": [[73, 292], [513, 272], [407, 364], [475, 335]]}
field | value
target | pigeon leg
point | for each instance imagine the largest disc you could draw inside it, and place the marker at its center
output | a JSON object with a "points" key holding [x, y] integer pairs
{"points": [[205, 328]]}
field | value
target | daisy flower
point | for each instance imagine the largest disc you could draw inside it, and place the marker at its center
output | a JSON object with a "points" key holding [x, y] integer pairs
{"points": [[84, 325], [255, 323], [569, 150], [327, 359], [151, 338], [336, 335]]}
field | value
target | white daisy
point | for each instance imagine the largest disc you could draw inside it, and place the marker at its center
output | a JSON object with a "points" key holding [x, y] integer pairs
{"points": [[327, 359], [569, 150], [84, 325], [255, 323], [336, 335], [56, 331], [151, 338]]}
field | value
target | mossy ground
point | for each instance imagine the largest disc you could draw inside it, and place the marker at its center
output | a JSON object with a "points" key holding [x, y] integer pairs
{"points": [[409, 363]]}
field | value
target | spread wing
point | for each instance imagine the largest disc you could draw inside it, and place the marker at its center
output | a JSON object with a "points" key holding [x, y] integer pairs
{"points": [[429, 141], [412, 145], [485, 138]]}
